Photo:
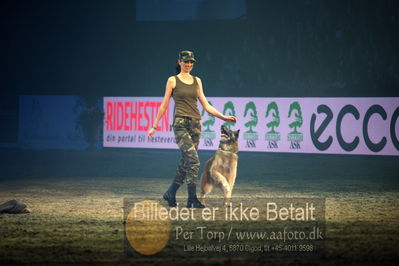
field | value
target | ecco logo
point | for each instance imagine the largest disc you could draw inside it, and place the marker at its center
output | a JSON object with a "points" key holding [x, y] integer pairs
{"points": [[351, 110]]}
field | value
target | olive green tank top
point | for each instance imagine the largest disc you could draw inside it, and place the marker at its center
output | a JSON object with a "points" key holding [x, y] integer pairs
{"points": [[185, 97]]}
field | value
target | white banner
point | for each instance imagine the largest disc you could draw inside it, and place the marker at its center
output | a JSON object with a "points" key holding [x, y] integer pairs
{"points": [[300, 125]]}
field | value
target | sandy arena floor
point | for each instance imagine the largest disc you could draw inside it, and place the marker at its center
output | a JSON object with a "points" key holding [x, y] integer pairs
{"points": [[79, 220]]}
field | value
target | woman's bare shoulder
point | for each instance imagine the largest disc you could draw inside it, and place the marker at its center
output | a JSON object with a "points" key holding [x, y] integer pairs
{"points": [[198, 80], [172, 79]]}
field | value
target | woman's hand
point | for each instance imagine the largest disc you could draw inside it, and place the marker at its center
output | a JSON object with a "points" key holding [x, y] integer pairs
{"points": [[229, 119], [151, 132]]}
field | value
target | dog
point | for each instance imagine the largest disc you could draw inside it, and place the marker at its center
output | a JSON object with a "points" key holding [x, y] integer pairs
{"points": [[221, 169]]}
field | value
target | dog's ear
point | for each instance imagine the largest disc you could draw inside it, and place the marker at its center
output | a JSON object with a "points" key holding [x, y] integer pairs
{"points": [[238, 133]]}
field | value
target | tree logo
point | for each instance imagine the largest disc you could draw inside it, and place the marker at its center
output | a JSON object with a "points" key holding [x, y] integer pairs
{"points": [[295, 136], [230, 111], [208, 133], [250, 135], [272, 136]]}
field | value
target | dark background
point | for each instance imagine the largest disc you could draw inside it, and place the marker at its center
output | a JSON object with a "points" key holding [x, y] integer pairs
{"points": [[279, 48], [96, 48], [300, 48]]}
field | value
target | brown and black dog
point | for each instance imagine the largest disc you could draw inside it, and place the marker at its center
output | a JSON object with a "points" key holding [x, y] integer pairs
{"points": [[221, 169]]}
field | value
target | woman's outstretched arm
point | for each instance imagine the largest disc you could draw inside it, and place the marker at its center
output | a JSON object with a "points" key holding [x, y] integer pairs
{"points": [[209, 108], [170, 84]]}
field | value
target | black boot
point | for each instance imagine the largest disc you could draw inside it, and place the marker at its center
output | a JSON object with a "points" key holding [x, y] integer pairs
{"points": [[170, 194], [193, 201]]}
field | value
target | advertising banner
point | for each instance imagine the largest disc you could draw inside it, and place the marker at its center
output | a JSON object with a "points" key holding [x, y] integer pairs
{"points": [[50, 122], [300, 125]]}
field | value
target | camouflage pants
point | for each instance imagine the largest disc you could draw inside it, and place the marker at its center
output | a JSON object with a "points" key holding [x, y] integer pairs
{"points": [[187, 132]]}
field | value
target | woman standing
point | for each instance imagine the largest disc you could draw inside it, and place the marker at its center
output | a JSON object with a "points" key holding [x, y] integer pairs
{"points": [[185, 90]]}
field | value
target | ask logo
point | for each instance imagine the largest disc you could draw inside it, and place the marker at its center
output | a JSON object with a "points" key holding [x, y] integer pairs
{"points": [[295, 137], [208, 135], [272, 136], [229, 110], [250, 135]]}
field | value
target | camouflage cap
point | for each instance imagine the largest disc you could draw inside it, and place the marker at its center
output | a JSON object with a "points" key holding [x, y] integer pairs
{"points": [[186, 56]]}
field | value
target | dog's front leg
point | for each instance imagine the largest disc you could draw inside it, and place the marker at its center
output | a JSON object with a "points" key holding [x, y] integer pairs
{"points": [[206, 186], [227, 197], [224, 185]]}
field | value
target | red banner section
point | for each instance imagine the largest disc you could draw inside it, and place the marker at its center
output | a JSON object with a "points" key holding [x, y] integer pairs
{"points": [[134, 116]]}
